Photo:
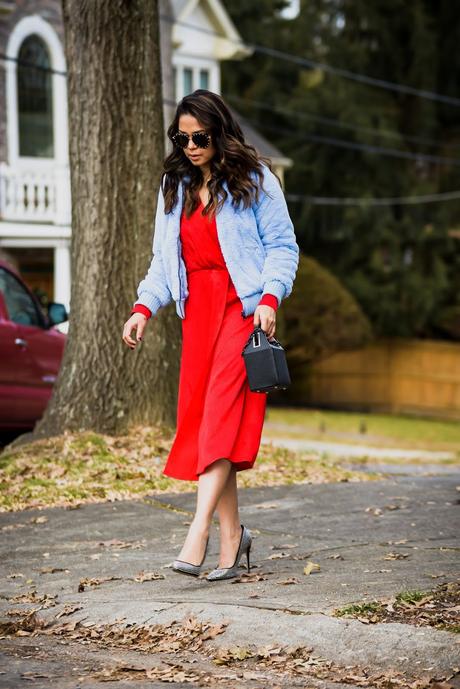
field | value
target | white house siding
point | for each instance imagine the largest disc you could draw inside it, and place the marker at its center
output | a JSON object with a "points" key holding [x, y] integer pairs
{"points": [[35, 235], [35, 225]]}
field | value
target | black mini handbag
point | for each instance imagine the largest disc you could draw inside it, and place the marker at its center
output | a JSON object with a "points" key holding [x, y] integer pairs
{"points": [[266, 364]]}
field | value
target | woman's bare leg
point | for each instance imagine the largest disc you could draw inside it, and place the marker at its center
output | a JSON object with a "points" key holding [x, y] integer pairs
{"points": [[211, 483], [229, 519]]}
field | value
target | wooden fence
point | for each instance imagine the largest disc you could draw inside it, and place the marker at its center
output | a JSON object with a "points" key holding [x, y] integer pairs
{"points": [[402, 376]]}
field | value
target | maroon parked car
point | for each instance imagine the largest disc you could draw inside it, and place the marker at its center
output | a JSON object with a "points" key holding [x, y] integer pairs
{"points": [[31, 350]]}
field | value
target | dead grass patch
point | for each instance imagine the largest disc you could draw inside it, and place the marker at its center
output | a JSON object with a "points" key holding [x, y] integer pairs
{"points": [[78, 468]]}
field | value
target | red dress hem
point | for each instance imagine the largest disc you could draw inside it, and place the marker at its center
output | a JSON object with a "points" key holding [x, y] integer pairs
{"points": [[238, 465]]}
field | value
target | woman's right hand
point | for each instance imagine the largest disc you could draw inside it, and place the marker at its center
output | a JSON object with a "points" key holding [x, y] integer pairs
{"points": [[137, 321]]}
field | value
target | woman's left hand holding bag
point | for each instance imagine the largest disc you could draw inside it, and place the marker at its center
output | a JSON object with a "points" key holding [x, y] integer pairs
{"points": [[265, 318]]}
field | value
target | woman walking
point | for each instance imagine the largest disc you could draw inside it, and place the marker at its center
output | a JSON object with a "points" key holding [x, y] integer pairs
{"points": [[225, 251]]}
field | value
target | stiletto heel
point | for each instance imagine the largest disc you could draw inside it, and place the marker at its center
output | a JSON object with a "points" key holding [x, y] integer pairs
{"points": [[230, 572], [189, 568]]}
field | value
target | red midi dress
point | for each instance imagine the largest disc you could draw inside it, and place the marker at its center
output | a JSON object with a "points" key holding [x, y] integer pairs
{"points": [[218, 416]]}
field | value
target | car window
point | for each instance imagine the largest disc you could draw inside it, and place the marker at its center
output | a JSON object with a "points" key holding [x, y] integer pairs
{"points": [[20, 305]]}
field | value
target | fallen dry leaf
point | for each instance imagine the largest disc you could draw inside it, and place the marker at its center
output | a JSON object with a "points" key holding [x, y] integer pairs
{"points": [[11, 527], [247, 578], [175, 673], [120, 672], [148, 576], [214, 630], [311, 567], [189, 633], [67, 610], [39, 520], [25, 625], [267, 651], [94, 582], [46, 600], [117, 544], [376, 511], [225, 656]]}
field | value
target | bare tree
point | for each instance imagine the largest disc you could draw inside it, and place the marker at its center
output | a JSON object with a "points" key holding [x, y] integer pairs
{"points": [[116, 153]]}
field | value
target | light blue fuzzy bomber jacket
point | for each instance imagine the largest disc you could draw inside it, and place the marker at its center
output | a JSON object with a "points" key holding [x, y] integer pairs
{"points": [[258, 245]]}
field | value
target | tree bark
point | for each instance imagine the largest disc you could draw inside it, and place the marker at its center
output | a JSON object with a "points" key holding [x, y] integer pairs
{"points": [[116, 154]]}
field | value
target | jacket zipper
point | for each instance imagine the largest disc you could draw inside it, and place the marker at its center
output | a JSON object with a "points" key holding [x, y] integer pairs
{"points": [[178, 269]]}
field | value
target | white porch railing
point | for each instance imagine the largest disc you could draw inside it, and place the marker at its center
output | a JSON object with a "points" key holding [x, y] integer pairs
{"points": [[35, 195]]}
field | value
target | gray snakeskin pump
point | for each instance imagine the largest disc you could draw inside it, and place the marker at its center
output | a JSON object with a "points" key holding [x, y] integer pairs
{"points": [[187, 567], [230, 572]]}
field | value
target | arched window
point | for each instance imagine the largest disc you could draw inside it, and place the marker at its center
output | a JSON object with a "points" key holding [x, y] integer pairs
{"points": [[35, 99]]}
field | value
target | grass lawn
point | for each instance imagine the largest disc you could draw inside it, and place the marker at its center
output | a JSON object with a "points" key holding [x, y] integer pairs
{"points": [[381, 430], [436, 608], [87, 467], [76, 468]]}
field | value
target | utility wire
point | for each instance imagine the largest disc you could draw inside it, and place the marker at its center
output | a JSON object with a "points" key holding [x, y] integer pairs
{"points": [[379, 150], [313, 137], [333, 122], [367, 148], [344, 143], [363, 201], [303, 115], [289, 57], [32, 65], [356, 201], [338, 71]]}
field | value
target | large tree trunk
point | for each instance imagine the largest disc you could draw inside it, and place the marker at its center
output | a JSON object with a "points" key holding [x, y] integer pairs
{"points": [[116, 153]]}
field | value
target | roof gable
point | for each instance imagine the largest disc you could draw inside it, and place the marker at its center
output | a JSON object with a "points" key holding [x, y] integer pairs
{"points": [[215, 34]]}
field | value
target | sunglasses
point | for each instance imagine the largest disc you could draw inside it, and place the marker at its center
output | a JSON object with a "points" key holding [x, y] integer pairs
{"points": [[200, 139]]}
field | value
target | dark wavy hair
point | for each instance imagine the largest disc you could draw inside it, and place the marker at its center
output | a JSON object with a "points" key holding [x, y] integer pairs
{"points": [[234, 161]]}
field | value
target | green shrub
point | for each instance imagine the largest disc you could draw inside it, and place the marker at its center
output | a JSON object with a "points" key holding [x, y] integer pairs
{"points": [[320, 317]]}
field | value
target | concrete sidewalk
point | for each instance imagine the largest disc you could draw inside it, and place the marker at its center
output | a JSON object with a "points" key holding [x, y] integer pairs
{"points": [[371, 540]]}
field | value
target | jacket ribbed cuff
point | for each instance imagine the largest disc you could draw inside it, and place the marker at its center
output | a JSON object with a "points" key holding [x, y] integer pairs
{"points": [[140, 308], [275, 287], [150, 301], [269, 300]]}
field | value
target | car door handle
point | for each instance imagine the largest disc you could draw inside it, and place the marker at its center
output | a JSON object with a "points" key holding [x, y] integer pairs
{"points": [[19, 341]]}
